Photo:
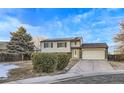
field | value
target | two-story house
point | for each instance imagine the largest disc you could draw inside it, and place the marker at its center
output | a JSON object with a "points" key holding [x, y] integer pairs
{"points": [[76, 47]]}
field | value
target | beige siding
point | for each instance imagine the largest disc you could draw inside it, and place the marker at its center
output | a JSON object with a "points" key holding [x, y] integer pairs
{"points": [[75, 53], [55, 49], [78, 43], [93, 53]]}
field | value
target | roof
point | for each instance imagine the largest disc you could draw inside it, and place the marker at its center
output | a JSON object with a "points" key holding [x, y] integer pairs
{"points": [[3, 45], [94, 45], [62, 39]]}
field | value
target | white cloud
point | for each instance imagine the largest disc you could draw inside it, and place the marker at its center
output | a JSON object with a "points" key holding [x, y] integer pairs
{"points": [[112, 9], [78, 18], [10, 24], [48, 29], [97, 40], [101, 22]]}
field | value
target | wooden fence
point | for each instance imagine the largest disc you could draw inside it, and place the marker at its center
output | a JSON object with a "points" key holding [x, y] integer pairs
{"points": [[5, 57], [117, 57]]}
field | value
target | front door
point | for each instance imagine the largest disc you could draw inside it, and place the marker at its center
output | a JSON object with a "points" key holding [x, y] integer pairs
{"points": [[75, 53]]}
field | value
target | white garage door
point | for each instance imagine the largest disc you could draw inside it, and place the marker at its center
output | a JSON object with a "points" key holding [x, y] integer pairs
{"points": [[93, 54]]}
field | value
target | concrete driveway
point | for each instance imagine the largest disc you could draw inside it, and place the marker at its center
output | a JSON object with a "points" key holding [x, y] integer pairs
{"points": [[91, 66]]}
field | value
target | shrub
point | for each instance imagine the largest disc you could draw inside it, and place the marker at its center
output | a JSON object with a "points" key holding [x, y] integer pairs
{"points": [[49, 62], [63, 60], [44, 62]]}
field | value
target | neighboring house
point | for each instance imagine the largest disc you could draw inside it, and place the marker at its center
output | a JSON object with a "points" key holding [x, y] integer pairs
{"points": [[3, 46], [76, 47]]}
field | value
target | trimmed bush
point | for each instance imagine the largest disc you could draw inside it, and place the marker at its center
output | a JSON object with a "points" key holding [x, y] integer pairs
{"points": [[49, 62], [62, 61], [44, 62]]}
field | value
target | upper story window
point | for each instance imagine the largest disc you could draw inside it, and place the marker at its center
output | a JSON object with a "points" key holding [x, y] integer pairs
{"points": [[75, 43], [62, 44], [48, 45]]}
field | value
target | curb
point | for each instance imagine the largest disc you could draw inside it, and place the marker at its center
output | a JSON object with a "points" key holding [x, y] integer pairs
{"points": [[89, 75], [62, 77]]}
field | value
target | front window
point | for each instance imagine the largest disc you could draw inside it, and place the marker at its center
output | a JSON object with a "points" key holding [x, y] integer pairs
{"points": [[62, 44], [48, 45], [75, 43]]}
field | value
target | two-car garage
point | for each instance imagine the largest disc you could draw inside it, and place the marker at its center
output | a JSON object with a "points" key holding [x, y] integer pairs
{"points": [[94, 51]]}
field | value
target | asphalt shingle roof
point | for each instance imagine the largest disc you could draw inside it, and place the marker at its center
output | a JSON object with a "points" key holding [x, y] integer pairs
{"points": [[94, 45], [62, 39]]}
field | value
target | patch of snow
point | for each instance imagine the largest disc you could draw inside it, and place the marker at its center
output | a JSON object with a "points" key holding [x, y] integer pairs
{"points": [[5, 68]]}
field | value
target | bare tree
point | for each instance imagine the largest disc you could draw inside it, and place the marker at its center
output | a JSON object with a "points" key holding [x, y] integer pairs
{"points": [[119, 38], [37, 40]]}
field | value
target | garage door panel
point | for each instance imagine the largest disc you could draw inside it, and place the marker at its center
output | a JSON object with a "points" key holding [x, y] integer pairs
{"points": [[93, 54]]}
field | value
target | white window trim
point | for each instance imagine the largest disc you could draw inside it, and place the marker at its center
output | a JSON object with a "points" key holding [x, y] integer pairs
{"points": [[65, 45], [50, 44]]}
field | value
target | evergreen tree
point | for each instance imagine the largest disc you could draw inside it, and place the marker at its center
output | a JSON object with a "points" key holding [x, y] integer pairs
{"points": [[20, 42]]}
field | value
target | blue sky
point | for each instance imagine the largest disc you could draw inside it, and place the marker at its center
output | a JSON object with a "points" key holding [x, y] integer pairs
{"points": [[94, 25]]}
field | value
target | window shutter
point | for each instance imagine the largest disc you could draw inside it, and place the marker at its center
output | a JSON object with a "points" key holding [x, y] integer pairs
{"points": [[57, 45], [65, 44], [44, 45], [51, 45], [75, 43]]}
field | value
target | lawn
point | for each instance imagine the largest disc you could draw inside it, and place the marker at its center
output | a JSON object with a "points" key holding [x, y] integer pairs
{"points": [[24, 71], [117, 65]]}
